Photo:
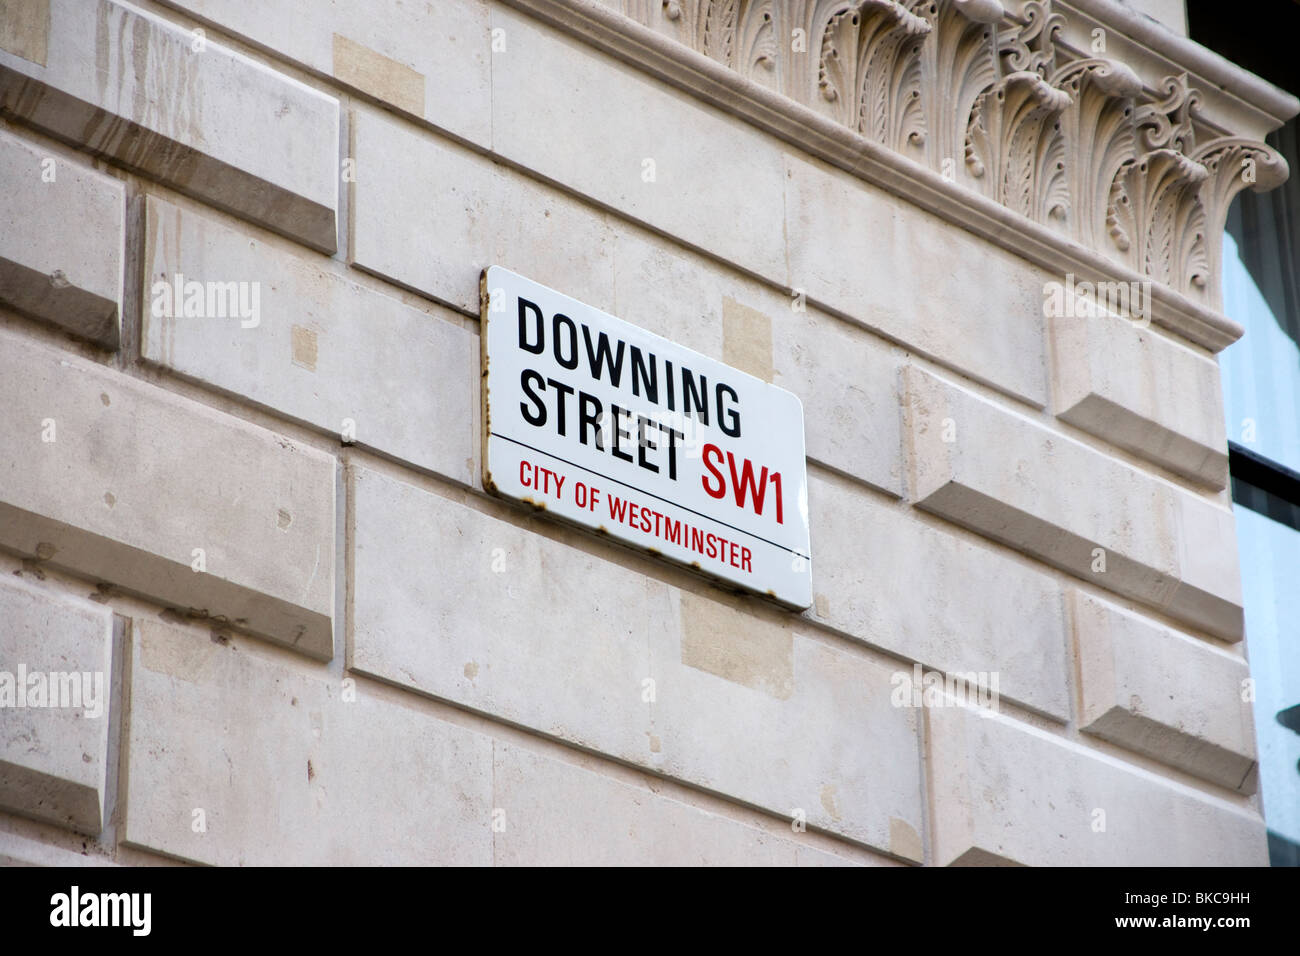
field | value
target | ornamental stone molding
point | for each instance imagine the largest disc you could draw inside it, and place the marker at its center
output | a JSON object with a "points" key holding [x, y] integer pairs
{"points": [[1113, 147]]}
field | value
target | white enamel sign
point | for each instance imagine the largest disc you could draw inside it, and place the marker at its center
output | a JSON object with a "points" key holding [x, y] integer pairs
{"points": [[624, 432]]}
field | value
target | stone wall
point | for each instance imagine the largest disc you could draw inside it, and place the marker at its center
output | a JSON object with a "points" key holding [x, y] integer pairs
{"points": [[240, 477]]}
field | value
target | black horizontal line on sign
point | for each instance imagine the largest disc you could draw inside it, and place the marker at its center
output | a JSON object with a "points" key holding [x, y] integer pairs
{"points": [[649, 494]]}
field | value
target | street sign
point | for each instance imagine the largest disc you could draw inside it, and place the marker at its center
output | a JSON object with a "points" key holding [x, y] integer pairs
{"points": [[622, 431]]}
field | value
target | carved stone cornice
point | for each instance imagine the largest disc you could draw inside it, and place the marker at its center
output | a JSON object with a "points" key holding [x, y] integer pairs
{"points": [[991, 114]]}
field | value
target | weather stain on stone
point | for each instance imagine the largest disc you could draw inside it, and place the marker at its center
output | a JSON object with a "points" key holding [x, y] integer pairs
{"points": [[103, 397], [109, 499], [383, 78], [25, 31], [103, 591], [283, 520], [471, 670], [830, 802], [762, 659], [311, 771], [45, 550], [304, 347]]}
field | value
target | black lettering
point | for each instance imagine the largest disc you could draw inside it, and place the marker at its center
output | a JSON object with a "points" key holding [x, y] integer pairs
{"points": [[673, 434], [645, 376], [695, 395], [642, 442], [589, 412], [601, 357], [728, 418], [563, 321], [618, 414], [537, 418], [559, 402], [535, 347]]}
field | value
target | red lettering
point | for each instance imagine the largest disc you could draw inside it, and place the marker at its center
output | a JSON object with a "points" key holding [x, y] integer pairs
{"points": [[744, 483], [711, 450]]}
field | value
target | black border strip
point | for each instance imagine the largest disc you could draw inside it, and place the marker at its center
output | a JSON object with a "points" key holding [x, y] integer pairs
{"points": [[1266, 475]]}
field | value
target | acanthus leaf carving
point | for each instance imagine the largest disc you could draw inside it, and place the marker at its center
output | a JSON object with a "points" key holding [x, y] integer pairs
{"points": [[959, 65], [708, 26], [1014, 144], [756, 45], [1154, 203], [869, 72], [1100, 133], [1233, 164]]}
